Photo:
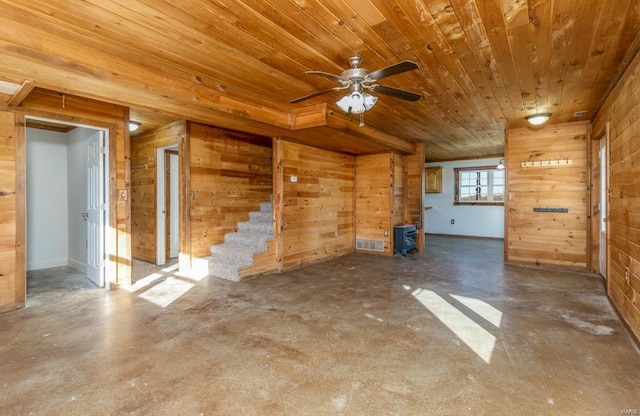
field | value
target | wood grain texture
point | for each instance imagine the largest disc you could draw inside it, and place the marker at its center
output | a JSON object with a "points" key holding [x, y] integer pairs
{"points": [[548, 238], [318, 209], [230, 174], [622, 112], [484, 64], [144, 187], [9, 278], [414, 195], [375, 199]]}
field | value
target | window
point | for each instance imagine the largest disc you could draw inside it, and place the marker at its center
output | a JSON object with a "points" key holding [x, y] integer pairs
{"points": [[479, 186]]}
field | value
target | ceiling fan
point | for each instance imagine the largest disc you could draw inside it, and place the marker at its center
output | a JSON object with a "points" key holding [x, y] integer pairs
{"points": [[357, 80]]}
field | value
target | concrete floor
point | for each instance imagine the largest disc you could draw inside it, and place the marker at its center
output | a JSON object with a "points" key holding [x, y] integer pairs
{"points": [[452, 331]]}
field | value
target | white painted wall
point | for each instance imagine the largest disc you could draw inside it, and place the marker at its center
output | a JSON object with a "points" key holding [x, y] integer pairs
{"points": [[77, 185], [476, 221], [47, 207]]}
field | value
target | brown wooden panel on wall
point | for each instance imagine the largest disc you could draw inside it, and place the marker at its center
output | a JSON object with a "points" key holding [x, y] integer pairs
{"points": [[548, 238], [8, 224], [318, 207], [399, 191], [414, 192], [374, 199], [143, 186], [622, 111], [230, 175]]}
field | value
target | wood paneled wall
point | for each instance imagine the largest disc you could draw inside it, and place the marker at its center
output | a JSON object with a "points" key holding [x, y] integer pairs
{"points": [[230, 174], [547, 238], [399, 181], [144, 186], [622, 111], [594, 203], [375, 199], [67, 108], [415, 191], [11, 252], [318, 209]]}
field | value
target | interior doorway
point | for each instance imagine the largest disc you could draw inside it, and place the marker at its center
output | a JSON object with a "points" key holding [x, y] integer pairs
{"points": [[604, 193], [66, 202], [168, 204]]}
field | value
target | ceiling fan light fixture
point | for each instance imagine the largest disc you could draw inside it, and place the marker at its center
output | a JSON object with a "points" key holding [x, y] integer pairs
{"points": [[356, 102], [538, 119]]}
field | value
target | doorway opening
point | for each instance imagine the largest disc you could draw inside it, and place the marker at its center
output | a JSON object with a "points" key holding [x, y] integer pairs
{"points": [[604, 193], [66, 206], [168, 205]]}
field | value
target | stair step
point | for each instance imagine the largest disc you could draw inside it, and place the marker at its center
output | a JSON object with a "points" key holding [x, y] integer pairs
{"points": [[261, 217], [252, 242], [233, 250], [250, 227], [223, 270], [266, 207], [239, 247]]}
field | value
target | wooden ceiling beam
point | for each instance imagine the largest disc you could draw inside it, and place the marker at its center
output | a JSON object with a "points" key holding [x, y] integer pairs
{"points": [[19, 96]]}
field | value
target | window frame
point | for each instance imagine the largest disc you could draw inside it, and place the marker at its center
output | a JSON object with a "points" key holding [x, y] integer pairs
{"points": [[490, 185]]}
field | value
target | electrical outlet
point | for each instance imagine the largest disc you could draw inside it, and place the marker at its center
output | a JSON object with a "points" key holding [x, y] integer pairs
{"points": [[626, 274], [386, 233], [453, 221]]}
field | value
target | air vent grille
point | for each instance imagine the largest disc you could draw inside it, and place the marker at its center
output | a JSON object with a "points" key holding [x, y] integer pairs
{"points": [[369, 244]]}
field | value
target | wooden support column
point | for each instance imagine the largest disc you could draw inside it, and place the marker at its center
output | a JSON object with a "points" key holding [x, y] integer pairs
{"points": [[415, 191], [278, 199], [11, 251]]}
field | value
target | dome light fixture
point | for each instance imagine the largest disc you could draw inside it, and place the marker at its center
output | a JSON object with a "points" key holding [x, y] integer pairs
{"points": [[538, 119], [133, 125]]}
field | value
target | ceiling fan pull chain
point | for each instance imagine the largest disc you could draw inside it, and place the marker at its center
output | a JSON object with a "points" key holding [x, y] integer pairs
{"points": [[361, 119]]}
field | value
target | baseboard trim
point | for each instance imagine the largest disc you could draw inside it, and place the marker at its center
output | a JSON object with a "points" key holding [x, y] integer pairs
{"points": [[477, 237]]}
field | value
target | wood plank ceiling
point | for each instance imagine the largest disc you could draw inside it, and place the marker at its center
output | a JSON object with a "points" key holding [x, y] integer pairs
{"points": [[484, 64]]}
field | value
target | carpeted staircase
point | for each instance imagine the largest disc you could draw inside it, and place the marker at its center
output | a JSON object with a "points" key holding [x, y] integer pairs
{"points": [[239, 247]]}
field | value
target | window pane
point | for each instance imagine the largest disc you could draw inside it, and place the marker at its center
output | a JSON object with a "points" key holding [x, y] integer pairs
{"points": [[481, 186]]}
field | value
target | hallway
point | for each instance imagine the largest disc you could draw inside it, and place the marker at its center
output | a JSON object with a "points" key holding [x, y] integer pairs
{"points": [[450, 331]]}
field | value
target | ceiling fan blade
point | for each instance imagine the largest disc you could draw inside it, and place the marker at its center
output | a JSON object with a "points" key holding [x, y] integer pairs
{"points": [[396, 92], [327, 75], [398, 68], [315, 94]]}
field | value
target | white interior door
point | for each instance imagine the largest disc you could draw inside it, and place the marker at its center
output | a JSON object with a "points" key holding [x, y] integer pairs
{"points": [[604, 167], [95, 208], [174, 202]]}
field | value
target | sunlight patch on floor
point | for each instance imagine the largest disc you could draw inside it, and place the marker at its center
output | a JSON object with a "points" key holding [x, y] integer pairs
{"points": [[482, 308], [165, 293], [473, 335]]}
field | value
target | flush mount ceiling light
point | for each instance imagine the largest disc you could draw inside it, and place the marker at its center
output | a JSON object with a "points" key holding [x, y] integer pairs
{"points": [[538, 119], [133, 125], [500, 165]]}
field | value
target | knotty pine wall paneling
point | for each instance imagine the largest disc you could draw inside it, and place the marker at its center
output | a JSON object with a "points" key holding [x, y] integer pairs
{"points": [[399, 211], [621, 111], [12, 254], [548, 238], [375, 199], [144, 186], [318, 208], [414, 171], [83, 111], [230, 174]]}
